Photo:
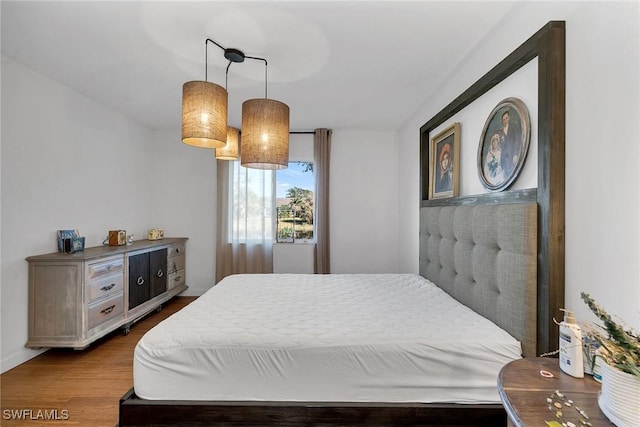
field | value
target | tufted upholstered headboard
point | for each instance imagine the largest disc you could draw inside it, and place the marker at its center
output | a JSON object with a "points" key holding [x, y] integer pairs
{"points": [[485, 256]]}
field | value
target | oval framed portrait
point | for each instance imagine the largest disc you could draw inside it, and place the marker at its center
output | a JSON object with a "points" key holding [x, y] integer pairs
{"points": [[504, 144]]}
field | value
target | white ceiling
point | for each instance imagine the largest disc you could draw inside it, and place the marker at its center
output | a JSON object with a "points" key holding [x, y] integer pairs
{"points": [[337, 64]]}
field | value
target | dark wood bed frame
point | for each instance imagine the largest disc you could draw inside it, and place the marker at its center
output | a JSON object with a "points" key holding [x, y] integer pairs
{"points": [[548, 45]]}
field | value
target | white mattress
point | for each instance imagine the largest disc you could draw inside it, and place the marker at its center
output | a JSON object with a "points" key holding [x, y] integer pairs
{"points": [[349, 338]]}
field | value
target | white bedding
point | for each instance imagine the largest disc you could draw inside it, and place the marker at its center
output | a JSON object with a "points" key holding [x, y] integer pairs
{"points": [[351, 337]]}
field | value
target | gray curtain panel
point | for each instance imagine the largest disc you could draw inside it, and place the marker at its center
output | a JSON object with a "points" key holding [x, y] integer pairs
{"points": [[322, 157]]}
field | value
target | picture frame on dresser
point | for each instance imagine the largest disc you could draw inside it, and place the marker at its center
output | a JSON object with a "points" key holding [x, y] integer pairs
{"points": [[77, 244], [63, 235]]}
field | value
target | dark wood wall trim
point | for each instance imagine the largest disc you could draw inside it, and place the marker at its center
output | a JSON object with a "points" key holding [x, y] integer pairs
{"points": [[551, 179], [517, 196], [548, 45]]}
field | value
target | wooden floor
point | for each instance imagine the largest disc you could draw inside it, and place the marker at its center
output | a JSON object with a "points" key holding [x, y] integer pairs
{"points": [[79, 388]]}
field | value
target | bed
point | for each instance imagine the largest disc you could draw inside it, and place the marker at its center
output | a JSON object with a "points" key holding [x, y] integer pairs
{"points": [[499, 256], [279, 348], [322, 338]]}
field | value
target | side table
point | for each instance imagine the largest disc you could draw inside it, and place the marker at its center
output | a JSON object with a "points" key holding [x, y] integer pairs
{"points": [[524, 392]]}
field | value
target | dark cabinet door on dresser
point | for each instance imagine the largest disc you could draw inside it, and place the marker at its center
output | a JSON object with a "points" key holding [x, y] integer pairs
{"points": [[147, 276], [139, 283], [158, 271]]}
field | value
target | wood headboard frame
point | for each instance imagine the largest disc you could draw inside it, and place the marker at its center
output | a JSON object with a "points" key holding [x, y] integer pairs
{"points": [[548, 45]]}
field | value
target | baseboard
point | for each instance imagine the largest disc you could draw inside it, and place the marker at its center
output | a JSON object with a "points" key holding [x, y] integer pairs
{"points": [[192, 292], [19, 358]]}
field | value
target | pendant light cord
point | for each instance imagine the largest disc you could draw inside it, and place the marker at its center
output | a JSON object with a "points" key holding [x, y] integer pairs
{"points": [[226, 75], [206, 56], [265, 72]]}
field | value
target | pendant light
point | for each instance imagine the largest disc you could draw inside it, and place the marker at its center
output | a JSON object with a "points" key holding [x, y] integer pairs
{"points": [[230, 150], [264, 143], [265, 132], [204, 112]]}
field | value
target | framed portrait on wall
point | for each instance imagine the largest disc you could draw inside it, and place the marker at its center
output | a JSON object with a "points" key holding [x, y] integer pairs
{"points": [[504, 144], [444, 163]]}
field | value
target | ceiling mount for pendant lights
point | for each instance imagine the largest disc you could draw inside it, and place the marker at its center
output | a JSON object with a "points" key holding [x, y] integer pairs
{"points": [[265, 122]]}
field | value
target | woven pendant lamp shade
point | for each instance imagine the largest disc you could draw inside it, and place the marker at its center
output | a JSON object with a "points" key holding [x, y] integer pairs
{"points": [[229, 151], [265, 134], [204, 114]]}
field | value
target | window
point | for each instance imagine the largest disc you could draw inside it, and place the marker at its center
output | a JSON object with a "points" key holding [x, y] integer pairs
{"points": [[295, 202], [247, 216], [254, 195]]}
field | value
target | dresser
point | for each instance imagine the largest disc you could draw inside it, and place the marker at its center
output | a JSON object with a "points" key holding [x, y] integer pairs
{"points": [[75, 299]]}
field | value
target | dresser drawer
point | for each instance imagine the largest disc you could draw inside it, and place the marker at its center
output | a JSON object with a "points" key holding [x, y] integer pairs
{"points": [[108, 285], [105, 267], [176, 263], [176, 278], [175, 250], [106, 309]]}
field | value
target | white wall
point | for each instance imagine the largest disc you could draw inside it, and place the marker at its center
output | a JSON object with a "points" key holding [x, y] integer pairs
{"points": [[294, 258], [184, 203], [602, 109], [364, 198], [68, 162], [301, 147]]}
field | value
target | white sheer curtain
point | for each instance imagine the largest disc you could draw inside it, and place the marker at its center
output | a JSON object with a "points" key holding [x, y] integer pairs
{"points": [[245, 231]]}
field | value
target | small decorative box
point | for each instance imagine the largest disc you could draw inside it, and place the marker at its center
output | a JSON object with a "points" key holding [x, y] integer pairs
{"points": [[156, 234]]}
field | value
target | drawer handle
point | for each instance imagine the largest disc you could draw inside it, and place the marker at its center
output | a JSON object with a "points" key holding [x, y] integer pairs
{"points": [[140, 281], [108, 309], [108, 287], [160, 273], [177, 250], [177, 279]]}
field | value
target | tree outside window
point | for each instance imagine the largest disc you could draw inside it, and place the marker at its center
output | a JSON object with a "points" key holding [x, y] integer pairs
{"points": [[295, 209]]}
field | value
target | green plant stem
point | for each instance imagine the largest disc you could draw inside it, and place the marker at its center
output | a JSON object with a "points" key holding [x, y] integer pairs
{"points": [[621, 348]]}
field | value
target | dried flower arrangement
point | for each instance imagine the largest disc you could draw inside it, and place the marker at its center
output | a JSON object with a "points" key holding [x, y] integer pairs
{"points": [[619, 347]]}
